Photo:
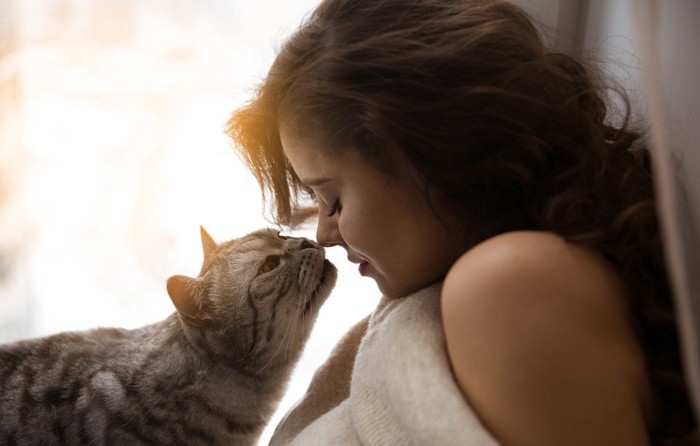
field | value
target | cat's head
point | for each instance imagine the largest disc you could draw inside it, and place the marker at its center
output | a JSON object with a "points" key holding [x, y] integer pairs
{"points": [[256, 297]]}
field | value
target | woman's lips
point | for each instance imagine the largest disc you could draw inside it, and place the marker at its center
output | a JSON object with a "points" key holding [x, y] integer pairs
{"points": [[363, 268]]}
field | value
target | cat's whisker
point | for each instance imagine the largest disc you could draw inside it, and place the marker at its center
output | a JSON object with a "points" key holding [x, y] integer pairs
{"points": [[273, 355], [286, 338]]}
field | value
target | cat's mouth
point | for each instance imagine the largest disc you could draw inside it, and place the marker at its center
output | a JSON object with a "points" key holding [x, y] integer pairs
{"points": [[325, 284]]}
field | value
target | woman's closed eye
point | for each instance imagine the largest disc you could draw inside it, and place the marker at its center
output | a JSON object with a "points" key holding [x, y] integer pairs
{"points": [[334, 208]]}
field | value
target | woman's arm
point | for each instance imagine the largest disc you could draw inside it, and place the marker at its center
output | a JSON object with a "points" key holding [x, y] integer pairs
{"points": [[541, 343]]}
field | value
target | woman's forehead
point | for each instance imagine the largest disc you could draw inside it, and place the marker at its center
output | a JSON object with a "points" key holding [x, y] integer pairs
{"points": [[308, 160]]}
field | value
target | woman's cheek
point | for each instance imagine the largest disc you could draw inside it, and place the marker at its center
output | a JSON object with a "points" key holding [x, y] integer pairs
{"points": [[345, 228]]}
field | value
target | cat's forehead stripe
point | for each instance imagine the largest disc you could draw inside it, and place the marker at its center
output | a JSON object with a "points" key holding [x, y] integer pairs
{"points": [[252, 243]]}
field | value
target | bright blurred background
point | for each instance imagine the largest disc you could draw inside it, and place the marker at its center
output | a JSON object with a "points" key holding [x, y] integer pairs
{"points": [[112, 150], [112, 153]]}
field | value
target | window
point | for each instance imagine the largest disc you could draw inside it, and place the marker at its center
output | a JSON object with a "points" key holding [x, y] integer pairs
{"points": [[112, 154]]}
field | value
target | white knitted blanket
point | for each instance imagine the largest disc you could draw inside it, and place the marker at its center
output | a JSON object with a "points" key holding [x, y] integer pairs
{"points": [[402, 390]]}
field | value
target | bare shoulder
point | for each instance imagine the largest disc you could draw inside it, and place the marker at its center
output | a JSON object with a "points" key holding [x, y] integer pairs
{"points": [[543, 260], [541, 343]]}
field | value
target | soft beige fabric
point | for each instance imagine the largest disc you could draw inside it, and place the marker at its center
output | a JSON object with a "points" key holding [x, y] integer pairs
{"points": [[328, 388], [401, 390]]}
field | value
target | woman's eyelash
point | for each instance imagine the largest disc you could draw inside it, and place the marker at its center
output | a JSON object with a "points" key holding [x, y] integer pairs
{"points": [[334, 209]]}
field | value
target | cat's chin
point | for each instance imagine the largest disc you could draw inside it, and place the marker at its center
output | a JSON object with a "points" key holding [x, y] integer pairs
{"points": [[329, 274]]}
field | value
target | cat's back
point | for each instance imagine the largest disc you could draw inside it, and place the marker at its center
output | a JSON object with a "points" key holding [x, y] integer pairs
{"points": [[48, 385], [68, 349], [118, 387], [57, 350]]}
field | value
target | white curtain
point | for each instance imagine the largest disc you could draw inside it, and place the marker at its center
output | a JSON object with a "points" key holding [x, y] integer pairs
{"points": [[650, 47], [668, 37]]}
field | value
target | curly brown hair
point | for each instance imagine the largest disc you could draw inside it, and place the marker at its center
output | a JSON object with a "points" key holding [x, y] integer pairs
{"points": [[516, 137]]}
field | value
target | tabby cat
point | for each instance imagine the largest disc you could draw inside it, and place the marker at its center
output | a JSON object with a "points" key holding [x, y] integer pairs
{"points": [[211, 373]]}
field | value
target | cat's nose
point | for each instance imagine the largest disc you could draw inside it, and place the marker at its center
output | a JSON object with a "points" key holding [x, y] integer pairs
{"points": [[306, 244], [303, 243]]}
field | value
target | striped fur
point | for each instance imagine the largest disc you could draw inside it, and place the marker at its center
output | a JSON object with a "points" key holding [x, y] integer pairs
{"points": [[210, 374]]}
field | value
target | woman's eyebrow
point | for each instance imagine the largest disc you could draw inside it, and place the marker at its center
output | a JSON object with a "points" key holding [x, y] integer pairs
{"points": [[316, 181]]}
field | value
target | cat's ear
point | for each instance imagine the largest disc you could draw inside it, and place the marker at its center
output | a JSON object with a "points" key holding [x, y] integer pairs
{"points": [[185, 292], [208, 243]]}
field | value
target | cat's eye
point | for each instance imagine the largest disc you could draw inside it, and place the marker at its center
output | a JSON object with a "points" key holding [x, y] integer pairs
{"points": [[271, 262]]}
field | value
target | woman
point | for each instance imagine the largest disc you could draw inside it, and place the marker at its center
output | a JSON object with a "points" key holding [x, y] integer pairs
{"points": [[443, 142]]}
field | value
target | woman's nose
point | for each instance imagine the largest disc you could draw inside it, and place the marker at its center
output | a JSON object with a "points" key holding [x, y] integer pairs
{"points": [[327, 232]]}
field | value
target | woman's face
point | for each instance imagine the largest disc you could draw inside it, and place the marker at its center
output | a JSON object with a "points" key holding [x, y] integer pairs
{"points": [[383, 220]]}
